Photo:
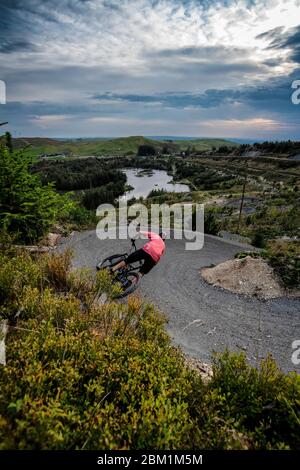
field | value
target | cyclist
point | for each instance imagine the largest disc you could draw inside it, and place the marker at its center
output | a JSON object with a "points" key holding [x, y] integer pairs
{"points": [[150, 254]]}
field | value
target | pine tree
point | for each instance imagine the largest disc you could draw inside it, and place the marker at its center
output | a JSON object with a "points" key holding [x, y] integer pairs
{"points": [[26, 206], [9, 143]]}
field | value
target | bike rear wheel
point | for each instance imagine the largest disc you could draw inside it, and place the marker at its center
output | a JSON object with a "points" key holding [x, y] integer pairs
{"points": [[129, 283]]}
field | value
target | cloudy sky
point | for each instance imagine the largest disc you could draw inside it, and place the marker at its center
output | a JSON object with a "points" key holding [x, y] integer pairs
{"points": [[150, 67]]}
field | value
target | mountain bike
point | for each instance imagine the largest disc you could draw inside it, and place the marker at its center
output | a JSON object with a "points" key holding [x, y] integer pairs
{"points": [[127, 277]]}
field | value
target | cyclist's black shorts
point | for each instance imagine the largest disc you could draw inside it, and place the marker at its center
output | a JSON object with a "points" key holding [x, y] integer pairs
{"points": [[141, 255]]}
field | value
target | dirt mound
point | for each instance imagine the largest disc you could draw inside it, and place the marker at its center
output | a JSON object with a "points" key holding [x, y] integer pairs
{"points": [[248, 276]]}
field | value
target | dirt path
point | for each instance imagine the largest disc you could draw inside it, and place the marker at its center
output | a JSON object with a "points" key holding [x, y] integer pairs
{"points": [[203, 318]]}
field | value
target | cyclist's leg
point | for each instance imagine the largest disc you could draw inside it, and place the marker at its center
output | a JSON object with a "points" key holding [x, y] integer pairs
{"points": [[148, 264], [117, 266], [137, 255]]}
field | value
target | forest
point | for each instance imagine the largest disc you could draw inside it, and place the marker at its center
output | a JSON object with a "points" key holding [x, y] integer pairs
{"points": [[69, 175], [272, 147], [94, 181]]}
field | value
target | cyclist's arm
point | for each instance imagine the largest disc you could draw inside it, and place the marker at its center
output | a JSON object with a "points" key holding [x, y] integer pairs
{"points": [[139, 235], [150, 235]]}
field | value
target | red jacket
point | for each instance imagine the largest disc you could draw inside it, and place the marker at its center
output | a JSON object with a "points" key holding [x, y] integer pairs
{"points": [[155, 247]]}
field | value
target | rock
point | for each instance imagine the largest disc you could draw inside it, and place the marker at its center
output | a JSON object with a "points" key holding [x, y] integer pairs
{"points": [[100, 299], [52, 239], [203, 369], [36, 249], [58, 229]]}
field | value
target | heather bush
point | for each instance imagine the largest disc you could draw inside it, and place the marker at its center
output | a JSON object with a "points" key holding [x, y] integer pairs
{"points": [[83, 374], [92, 382], [245, 407]]}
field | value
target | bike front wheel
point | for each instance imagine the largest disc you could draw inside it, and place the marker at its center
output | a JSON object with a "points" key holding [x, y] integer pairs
{"points": [[110, 261]]}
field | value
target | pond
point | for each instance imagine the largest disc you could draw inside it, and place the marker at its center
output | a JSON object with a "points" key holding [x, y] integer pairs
{"points": [[144, 181]]}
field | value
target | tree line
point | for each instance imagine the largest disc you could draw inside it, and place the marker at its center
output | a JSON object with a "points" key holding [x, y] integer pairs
{"points": [[73, 175], [279, 147]]}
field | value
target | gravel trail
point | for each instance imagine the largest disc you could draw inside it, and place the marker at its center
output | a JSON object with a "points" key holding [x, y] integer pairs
{"points": [[203, 318]]}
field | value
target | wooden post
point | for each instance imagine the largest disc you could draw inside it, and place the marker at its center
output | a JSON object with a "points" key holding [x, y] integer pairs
{"points": [[242, 200]]}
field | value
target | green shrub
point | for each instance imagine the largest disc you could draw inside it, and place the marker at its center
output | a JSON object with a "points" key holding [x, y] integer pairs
{"points": [[259, 239], [146, 150], [262, 403], [17, 273], [211, 223], [69, 389], [79, 216], [27, 208], [86, 375], [56, 269], [23, 278], [284, 256]]}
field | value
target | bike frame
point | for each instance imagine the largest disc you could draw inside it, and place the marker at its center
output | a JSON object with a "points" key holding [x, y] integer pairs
{"points": [[122, 257], [129, 270]]}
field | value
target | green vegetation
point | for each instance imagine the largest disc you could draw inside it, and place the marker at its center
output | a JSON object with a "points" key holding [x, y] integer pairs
{"points": [[83, 375], [73, 175], [27, 208], [157, 193], [8, 141], [205, 177], [30, 204], [271, 209], [284, 256], [267, 221], [205, 145], [114, 147], [287, 147], [145, 163], [211, 223], [80, 147], [100, 183], [92, 198], [146, 150]]}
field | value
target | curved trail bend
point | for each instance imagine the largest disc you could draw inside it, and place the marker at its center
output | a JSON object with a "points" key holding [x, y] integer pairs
{"points": [[202, 318]]}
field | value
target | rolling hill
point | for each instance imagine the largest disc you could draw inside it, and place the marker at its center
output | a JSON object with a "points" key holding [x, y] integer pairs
{"points": [[117, 146]]}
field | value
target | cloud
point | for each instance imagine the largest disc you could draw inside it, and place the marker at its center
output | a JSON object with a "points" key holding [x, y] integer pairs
{"points": [[150, 61], [271, 35], [15, 46], [274, 96], [288, 40]]}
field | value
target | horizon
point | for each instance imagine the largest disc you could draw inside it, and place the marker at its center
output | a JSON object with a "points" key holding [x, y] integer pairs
{"points": [[158, 137], [86, 68]]}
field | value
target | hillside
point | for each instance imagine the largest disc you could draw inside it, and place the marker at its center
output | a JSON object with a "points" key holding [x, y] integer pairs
{"points": [[204, 144], [81, 370], [119, 146], [82, 374]]}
